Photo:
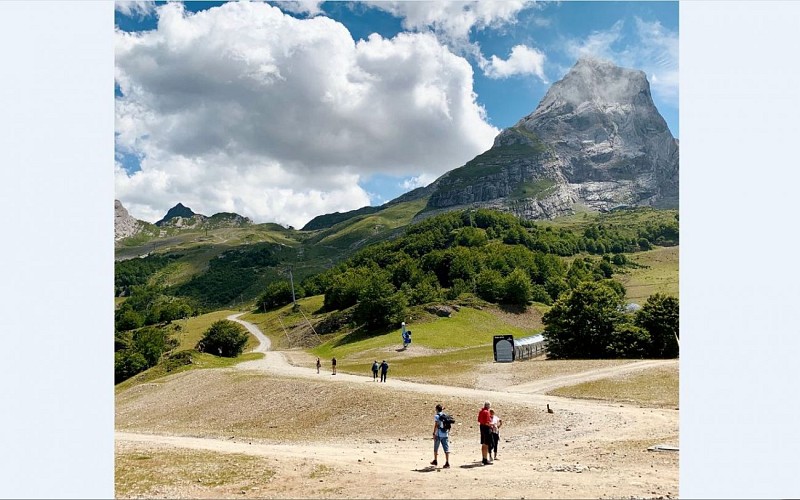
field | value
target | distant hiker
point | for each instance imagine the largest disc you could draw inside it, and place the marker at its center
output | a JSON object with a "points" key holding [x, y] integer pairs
{"points": [[333, 364], [375, 371], [441, 435], [485, 421], [497, 422], [318, 365], [384, 369]]}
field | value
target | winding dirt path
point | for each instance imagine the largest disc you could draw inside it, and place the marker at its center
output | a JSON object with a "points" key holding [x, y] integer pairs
{"points": [[580, 454]]}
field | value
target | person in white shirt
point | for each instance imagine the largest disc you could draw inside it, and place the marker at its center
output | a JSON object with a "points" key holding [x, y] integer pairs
{"points": [[497, 422]]}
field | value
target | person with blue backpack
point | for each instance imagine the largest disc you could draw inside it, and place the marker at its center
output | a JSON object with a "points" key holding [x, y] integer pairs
{"points": [[441, 435]]}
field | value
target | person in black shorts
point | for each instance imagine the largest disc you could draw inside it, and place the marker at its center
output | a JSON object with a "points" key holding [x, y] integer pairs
{"points": [[485, 421], [333, 365]]}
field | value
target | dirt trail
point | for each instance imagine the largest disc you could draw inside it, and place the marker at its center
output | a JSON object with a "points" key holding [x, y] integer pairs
{"points": [[591, 448]]}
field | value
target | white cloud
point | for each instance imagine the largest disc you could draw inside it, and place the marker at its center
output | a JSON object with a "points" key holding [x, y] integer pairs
{"points": [[243, 108], [310, 7], [660, 45], [598, 44], [522, 61], [139, 8], [454, 20], [653, 49]]}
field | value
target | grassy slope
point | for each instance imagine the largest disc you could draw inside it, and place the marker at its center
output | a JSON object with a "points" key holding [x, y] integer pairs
{"points": [[660, 275], [363, 230], [190, 332], [656, 387]]}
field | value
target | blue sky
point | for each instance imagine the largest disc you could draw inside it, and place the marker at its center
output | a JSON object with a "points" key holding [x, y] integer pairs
{"points": [[287, 110]]}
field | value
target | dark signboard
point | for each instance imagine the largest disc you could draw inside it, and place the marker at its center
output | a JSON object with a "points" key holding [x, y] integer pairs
{"points": [[504, 348]]}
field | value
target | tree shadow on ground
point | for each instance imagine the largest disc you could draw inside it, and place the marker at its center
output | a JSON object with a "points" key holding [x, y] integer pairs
{"points": [[360, 333], [513, 308]]}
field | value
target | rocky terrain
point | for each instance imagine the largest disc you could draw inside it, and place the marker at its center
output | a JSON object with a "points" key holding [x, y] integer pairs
{"points": [[596, 139], [124, 225], [177, 217]]}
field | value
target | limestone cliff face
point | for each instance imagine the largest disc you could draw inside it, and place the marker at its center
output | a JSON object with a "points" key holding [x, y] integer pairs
{"points": [[595, 139], [124, 224]]}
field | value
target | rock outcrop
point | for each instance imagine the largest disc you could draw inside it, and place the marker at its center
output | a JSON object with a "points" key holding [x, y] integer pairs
{"points": [[595, 139], [124, 225]]}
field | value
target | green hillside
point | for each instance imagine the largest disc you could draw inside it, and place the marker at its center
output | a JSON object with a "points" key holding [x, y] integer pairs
{"points": [[365, 274]]}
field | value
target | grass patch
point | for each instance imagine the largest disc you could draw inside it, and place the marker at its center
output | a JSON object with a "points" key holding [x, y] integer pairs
{"points": [[140, 475], [654, 387], [466, 328], [449, 368], [189, 331], [199, 360], [365, 229], [537, 189], [659, 274], [280, 324]]}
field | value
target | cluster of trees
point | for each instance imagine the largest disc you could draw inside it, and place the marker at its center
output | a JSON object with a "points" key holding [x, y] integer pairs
{"points": [[138, 350], [230, 275], [591, 321], [150, 305], [491, 254], [134, 272]]}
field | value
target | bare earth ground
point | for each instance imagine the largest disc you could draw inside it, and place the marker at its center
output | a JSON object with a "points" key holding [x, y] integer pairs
{"points": [[269, 429]]}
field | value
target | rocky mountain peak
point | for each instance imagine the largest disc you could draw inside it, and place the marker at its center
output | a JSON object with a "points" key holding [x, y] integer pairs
{"points": [[178, 210], [599, 82], [596, 139]]}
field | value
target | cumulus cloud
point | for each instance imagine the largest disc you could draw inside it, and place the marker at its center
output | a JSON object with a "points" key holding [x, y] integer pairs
{"points": [[522, 61], [454, 20], [135, 8], [243, 108], [654, 50], [310, 7]]}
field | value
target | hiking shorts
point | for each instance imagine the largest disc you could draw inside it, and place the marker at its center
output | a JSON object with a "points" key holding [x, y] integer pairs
{"points": [[486, 435], [445, 440]]}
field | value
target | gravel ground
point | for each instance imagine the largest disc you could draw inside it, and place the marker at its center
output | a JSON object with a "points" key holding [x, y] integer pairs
{"points": [[268, 429]]}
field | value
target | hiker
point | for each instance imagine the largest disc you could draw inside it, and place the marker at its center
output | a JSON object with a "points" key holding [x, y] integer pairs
{"points": [[384, 369], [485, 421], [318, 366], [333, 364], [440, 435], [375, 371], [497, 422]]}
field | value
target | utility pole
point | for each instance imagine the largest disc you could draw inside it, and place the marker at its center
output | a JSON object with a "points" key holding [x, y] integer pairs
{"points": [[291, 280]]}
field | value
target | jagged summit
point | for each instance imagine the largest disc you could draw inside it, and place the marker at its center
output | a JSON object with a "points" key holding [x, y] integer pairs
{"points": [[596, 139], [597, 82], [178, 210]]}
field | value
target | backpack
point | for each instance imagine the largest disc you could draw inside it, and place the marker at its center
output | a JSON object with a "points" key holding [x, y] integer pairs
{"points": [[446, 421]]}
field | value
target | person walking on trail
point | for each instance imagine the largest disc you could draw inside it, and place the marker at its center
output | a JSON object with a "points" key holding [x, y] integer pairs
{"points": [[384, 369], [497, 422], [319, 364], [375, 371], [333, 365], [440, 436], [485, 421]]}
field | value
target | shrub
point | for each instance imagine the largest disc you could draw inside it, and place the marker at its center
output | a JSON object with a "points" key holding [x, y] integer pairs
{"points": [[224, 338], [660, 317]]}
